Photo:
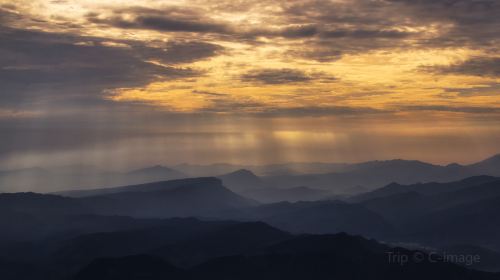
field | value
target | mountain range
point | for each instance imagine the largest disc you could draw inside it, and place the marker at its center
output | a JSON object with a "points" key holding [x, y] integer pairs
{"points": [[241, 226], [336, 178], [303, 257]]}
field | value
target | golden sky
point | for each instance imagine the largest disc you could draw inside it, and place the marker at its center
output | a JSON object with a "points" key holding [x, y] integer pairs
{"points": [[304, 74]]}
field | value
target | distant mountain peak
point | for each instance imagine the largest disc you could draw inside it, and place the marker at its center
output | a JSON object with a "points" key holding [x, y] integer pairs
{"points": [[393, 163], [243, 172], [154, 168], [154, 173], [495, 158], [479, 179], [241, 179], [393, 185], [489, 166], [454, 165]]}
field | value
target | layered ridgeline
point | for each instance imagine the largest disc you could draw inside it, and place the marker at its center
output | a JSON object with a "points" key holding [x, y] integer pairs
{"points": [[304, 257], [370, 175], [441, 214], [193, 249], [194, 227], [433, 214], [78, 177], [178, 198], [208, 198], [246, 183], [311, 180]]}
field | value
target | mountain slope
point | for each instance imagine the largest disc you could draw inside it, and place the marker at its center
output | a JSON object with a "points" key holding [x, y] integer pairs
{"points": [[369, 175], [41, 205], [231, 240], [147, 187], [332, 217], [406, 206], [179, 198], [489, 166], [241, 180], [425, 189], [473, 223], [489, 260], [272, 195], [130, 267], [401, 208], [74, 252], [318, 217], [153, 174], [305, 257]]}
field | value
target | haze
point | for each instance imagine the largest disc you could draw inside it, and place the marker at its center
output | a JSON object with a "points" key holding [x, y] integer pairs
{"points": [[119, 84]]}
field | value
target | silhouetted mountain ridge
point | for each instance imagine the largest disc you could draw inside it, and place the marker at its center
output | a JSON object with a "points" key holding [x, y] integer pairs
{"points": [[241, 180], [305, 257], [271, 195], [425, 189], [153, 173], [178, 198], [146, 187]]}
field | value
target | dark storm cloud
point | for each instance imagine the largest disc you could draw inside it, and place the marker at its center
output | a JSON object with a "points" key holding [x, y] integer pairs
{"points": [[183, 51], [299, 31], [315, 31], [283, 76], [332, 29], [365, 34], [173, 19], [162, 24], [168, 20], [470, 22], [166, 24], [355, 26], [37, 65], [373, 25], [476, 66], [461, 12]]}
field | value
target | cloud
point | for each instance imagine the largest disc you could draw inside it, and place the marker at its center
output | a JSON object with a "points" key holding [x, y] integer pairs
{"points": [[166, 24], [476, 66], [366, 34], [169, 19], [319, 111], [473, 23], [7, 16], [489, 89], [360, 111], [283, 76], [359, 26], [184, 51], [36, 65], [209, 93], [350, 33], [300, 31], [458, 109], [330, 28]]}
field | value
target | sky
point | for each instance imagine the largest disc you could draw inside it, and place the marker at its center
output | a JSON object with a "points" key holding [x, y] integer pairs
{"points": [[130, 83]]}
